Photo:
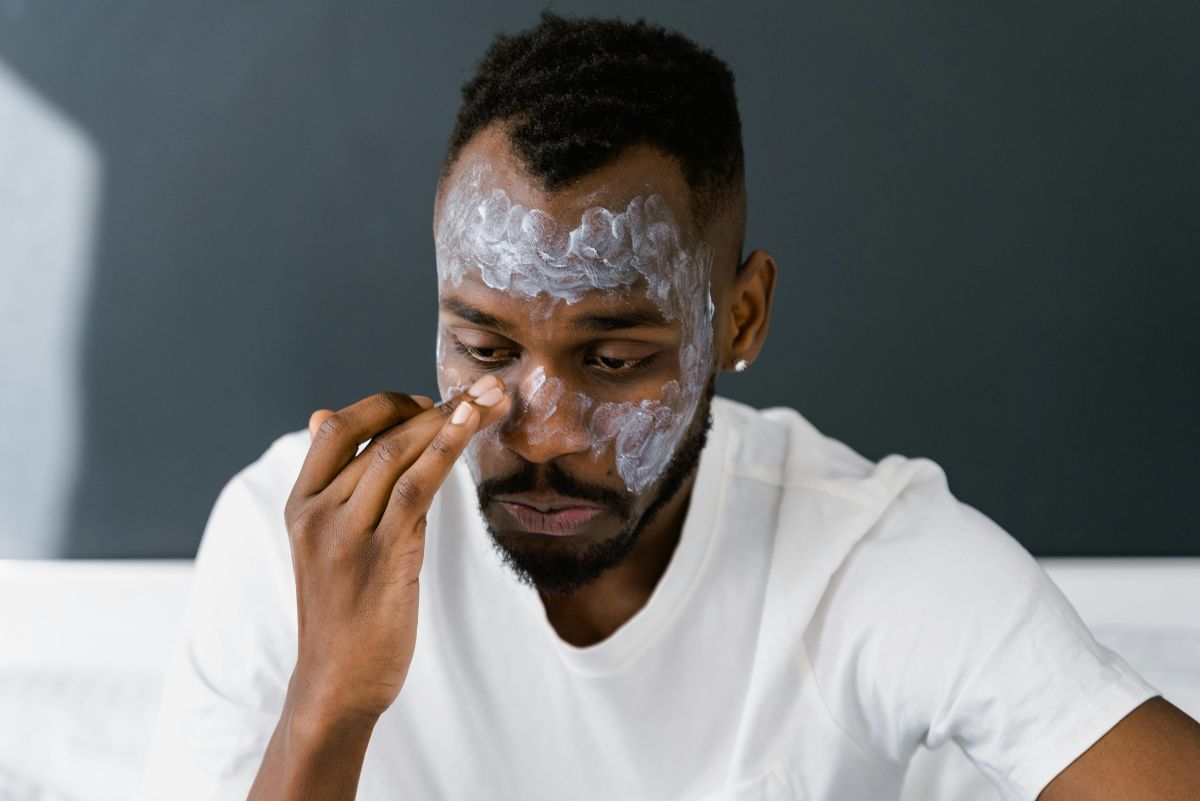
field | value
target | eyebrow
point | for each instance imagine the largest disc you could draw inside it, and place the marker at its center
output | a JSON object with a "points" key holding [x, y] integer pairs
{"points": [[634, 318], [476, 316]]}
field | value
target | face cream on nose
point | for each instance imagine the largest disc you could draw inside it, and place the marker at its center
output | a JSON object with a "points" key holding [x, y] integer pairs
{"points": [[483, 236]]}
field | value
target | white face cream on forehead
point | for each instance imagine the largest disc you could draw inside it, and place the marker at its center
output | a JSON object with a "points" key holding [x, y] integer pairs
{"points": [[483, 237]]}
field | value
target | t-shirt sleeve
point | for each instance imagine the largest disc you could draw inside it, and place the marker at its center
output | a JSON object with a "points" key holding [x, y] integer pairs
{"points": [[225, 685], [939, 626]]}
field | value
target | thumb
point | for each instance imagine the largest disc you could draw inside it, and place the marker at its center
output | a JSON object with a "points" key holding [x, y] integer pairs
{"points": [[315, 420]]}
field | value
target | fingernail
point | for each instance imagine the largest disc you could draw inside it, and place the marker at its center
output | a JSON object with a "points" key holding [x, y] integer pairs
{"points": [[483, 385], [490, 398], [461, 413]]}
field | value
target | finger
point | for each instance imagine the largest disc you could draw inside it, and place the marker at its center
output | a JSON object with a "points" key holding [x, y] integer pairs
{"points": [[315, 420], [392, 451], [413, 492], [338, 436], [385, 478], [321, 415]]}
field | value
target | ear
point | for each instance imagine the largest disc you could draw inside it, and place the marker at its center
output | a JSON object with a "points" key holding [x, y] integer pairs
{"points": [[751, 294]]}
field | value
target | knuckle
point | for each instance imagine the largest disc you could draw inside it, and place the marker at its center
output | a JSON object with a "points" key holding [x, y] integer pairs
{"points": [[333, 428], [291, 509], [407, 491], [408, 562], [391, 402], [442, 445], [446, 410], [305, 520], [388, 451]]}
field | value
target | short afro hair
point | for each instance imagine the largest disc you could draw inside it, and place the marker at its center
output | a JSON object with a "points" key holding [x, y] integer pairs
{"points": [[575, 93]]}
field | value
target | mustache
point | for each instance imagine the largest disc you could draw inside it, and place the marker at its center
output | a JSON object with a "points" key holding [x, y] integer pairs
{"points": [[531, 477]]}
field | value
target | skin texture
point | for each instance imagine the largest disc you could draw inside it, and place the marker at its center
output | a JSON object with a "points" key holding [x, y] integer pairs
{"points": [[1153, 754], [356, 523], [547, 334], [653, 276]]}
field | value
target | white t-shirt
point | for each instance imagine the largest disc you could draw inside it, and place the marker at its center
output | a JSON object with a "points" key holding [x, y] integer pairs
{"points": [[821, 617]]}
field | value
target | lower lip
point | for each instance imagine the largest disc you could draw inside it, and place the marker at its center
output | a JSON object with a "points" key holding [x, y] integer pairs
{"points": [[560, 521]]}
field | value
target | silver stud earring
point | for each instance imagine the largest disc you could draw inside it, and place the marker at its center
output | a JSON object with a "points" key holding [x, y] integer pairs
{"points": [[740, 366]]}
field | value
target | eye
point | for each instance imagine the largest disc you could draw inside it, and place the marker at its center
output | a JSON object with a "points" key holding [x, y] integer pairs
{"points": [[610, 364], [494, 358], [486, 357]]}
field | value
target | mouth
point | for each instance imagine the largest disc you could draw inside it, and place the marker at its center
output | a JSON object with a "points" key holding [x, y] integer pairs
{"points": [[551, 515]]}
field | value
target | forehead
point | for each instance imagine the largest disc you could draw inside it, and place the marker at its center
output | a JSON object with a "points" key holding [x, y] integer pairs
{"points": [[640, 171], [484, 230]]}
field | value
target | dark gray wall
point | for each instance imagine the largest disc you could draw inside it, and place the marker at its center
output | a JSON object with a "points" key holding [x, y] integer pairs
{"points": [[986, 219]]}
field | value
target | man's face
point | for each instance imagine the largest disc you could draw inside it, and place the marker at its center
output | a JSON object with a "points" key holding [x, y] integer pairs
{"points": [[594, 307]]}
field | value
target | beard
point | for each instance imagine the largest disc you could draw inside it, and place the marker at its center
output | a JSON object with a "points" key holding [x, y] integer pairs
{"points": [[557, 567]]}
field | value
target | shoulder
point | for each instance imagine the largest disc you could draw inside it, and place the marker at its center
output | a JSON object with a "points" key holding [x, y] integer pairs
{"points": [[927, 548], [918, 520], [236, 645], [256, 494], [924, 555], [268, 479], [939, 625], [922, 588], [245, 536], [780, 446], [242, 604], [932, 588]]}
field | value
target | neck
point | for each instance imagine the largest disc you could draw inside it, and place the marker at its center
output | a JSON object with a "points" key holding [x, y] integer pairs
{"points": [[593, 613]]}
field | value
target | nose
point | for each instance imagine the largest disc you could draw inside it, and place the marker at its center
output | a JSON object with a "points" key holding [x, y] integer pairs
{"points": [[547, 419]]}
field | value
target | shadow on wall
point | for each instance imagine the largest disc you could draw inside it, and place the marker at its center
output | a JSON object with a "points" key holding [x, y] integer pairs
{"points": [[263, 229], [48, 210]]}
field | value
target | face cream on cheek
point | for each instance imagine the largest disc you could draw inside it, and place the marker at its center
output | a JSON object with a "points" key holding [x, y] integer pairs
{"points": [[641, 435], [484, 236]]}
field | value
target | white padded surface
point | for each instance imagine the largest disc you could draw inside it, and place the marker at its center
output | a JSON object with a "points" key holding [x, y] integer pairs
{"points": [[82, 648], [83, 644]]}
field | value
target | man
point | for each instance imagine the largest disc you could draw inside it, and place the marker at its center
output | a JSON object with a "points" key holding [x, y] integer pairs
{"points": [[629, 588]]}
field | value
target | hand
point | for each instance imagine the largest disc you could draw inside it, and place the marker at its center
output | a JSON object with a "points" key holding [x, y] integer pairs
{"points": [[356, 524]]}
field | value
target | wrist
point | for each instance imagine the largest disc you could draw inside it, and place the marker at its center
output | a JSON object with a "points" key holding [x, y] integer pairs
{"points": [[315, 715], [312, 754]]}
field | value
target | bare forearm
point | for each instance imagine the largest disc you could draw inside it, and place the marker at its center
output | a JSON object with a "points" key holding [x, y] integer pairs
{"points": [[311, 757], [1153, 754]]}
